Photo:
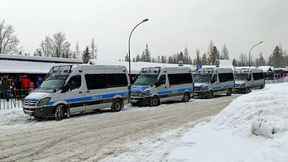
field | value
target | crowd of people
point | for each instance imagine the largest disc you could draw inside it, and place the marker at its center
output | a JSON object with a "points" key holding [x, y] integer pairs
{"points": [[17, 86]]}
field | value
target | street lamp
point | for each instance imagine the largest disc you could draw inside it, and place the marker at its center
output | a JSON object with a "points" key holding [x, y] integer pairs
{"points": [[129, 43], [251, 50]]}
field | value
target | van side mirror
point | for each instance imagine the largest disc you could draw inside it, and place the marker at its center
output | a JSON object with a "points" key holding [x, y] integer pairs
{"points": [[66, 88], [157, 84], [213, 80]]}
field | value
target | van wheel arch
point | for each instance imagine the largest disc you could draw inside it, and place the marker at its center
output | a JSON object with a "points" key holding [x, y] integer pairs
{"points": [[155, 101], [61, 111], [117, 104]]}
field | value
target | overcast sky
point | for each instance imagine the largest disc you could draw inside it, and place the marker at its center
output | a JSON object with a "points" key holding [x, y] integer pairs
{"points": [[173, 25]]}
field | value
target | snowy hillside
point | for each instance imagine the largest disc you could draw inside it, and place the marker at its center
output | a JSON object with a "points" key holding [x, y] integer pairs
{"points": [[228, 136]]}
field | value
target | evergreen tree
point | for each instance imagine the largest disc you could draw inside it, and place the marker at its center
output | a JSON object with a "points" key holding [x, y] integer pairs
{"points": [[146, 56], [204, 59], [163, 59], [214, 55], [93, 49], [277, 57], [224, 53], [138, 58], [234, 62], [187, 58], [197, 60], [86, 55], [77, 51]]}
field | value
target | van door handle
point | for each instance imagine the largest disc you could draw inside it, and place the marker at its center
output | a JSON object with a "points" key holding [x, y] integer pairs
{"points": [[80, 92]]}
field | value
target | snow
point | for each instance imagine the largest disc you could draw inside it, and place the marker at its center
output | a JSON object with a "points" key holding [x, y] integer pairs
{"points": [[228, 136], [24, 67], [135, 66], [266, 68], [39, 58]]}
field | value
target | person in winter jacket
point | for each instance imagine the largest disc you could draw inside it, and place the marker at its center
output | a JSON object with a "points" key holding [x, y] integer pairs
{"points": [[6, 88], [39, 82], [25, 82]]}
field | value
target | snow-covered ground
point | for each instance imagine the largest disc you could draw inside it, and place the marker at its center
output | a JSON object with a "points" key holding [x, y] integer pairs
{"points": [[226, 137]]}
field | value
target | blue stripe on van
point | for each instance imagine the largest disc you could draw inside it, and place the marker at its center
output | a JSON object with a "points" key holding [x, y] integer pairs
{"points": [[92, 98], [175, 91]]}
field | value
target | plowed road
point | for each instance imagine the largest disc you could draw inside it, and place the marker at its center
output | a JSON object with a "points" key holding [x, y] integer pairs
{"points": [[98, 135]]}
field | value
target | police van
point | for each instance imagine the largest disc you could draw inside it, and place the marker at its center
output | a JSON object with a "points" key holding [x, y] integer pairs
{"points": [[70, 89], [155, 85], [248, 78], [212, 81]]}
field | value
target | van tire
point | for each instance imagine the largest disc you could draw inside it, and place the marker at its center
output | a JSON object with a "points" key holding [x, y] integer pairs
{"points": [[186, 97], [229, 92], [247, 90], [59, 112], [262, 86], [117, 105], [155, 101], [210, 95]]}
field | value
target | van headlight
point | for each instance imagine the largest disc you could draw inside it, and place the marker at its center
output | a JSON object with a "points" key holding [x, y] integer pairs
{"points": [[43, 101], [145, 93]]}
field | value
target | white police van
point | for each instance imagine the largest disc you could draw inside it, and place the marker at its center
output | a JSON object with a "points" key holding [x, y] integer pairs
{"points": [[248, 78], [69, 90], [158, 84], [211, 81]]}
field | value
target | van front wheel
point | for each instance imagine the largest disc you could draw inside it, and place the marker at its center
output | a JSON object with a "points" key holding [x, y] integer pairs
{"points": [[155, 101], [59, 112], [117, 105], [186, 97]]}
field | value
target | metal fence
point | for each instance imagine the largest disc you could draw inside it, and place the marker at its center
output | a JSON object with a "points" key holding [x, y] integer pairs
{"points": [[10, 99], [281, 80]]}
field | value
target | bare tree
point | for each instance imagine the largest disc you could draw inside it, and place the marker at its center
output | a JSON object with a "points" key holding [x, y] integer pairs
{"points": [[61, 45], [46, 47], [8, 40], [93, 49], [57, 46]]}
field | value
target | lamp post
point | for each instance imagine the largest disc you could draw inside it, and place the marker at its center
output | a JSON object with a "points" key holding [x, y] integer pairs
{"points": [[251, 50], [145, 20]]}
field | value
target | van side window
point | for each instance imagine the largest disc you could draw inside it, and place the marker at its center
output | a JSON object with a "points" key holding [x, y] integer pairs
{"points": [[225, 77], [117, 80], [74, 82], [180, 78], [258, 76], [162, 79], [95, 81]]}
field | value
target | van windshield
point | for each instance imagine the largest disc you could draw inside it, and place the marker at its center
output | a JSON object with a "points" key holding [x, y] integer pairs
{"points": [[145, 79], [202, 78], [241, 76], [52, 84]]}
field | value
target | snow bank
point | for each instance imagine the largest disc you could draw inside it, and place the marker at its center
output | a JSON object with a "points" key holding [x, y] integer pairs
{"points": [[228, 136], [14, 116]]}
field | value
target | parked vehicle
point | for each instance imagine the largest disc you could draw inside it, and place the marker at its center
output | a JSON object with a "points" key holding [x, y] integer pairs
{"points": [[158, 84], [248, 78], [69, 90], [213, 80]]}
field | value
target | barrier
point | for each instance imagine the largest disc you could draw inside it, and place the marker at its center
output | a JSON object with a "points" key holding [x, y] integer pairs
{"points": [[10, 99], [282, 80]]}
